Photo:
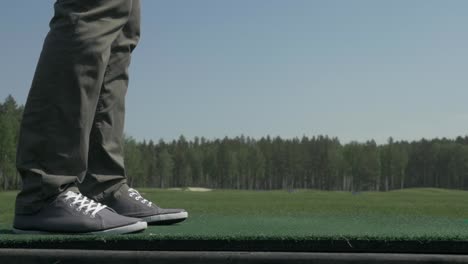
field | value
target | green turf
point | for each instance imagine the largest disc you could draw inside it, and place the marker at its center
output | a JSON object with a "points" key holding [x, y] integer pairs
{"points": [[410, 214]]}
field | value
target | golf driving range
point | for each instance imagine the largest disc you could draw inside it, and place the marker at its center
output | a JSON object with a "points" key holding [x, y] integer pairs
{"points": [[419, 220]]}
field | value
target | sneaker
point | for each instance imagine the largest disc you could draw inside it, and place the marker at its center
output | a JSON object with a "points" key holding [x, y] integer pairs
{"points": [[73, 213], [129, 202]]}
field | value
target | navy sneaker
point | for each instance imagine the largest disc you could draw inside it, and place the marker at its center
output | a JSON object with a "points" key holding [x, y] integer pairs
{"points": [[72, 213], [129, 202]]}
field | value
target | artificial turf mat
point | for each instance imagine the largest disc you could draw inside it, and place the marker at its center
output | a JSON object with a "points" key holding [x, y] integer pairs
{"points": [[410, 220]]}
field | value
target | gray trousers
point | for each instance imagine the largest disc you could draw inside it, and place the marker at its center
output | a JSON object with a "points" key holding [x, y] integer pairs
{"points": [[72, 127]]}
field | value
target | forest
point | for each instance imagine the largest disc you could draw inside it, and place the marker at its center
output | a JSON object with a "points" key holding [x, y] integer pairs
{"points": [[266, 163]]}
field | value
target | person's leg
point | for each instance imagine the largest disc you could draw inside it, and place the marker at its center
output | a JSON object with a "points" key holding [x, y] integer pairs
{"points": [[58, 117], [106, 177], [59, 112], [106, 170]]}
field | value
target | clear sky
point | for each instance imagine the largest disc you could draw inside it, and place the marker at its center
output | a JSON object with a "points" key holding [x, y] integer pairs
{"points": [[357, 69]]}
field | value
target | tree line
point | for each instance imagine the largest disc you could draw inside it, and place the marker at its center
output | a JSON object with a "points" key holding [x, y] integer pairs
{"points": [[318, 162]]}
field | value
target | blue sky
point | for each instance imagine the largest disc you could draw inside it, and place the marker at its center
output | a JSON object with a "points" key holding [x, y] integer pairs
{"points": [[357, 70]]}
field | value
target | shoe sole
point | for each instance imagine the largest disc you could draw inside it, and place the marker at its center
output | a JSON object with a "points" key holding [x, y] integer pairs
{"points": [[165, 219], [128, 229]]}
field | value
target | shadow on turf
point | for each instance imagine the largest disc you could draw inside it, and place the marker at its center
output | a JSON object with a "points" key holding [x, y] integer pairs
{"points": [[6, 231]]}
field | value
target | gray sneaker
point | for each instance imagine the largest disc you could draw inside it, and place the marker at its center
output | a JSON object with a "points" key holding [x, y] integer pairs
{"points": [[129, 202], [73, 213]]}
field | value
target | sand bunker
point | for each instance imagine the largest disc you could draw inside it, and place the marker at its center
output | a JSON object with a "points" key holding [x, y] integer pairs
{"points": [[191, 189], [197, 189]]}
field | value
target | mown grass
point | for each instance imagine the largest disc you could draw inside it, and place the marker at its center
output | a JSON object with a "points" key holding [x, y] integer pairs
{"points": [[401, 214]]}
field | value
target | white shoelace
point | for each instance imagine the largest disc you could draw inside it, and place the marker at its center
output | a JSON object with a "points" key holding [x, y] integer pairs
{"points": [[84, 203], [137, 196]]}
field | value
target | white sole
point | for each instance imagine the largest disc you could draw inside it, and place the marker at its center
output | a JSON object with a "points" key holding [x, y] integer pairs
{"points": [[133, 228], [165, 217]]}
